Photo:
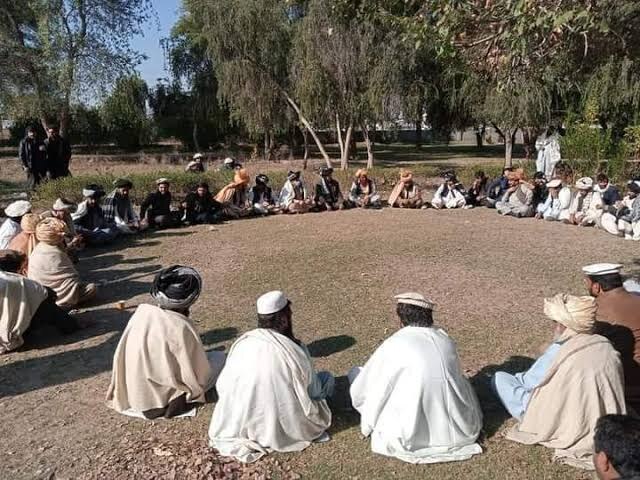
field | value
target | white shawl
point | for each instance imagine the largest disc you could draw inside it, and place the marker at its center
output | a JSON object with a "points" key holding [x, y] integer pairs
{"points": [[21, 298], [287, 194], [414, 400], [264, 401]]}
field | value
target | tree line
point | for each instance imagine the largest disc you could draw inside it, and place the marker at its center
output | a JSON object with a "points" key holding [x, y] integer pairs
{"points": [[280, 70]]}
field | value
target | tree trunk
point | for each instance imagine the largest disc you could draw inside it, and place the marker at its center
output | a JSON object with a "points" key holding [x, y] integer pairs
{"points": [[418, 134], [339, 133], [306, 123], [65, 120], [344, 160], [508, 147], [305, 158], [292, 142], [369, 143], [266, 147]]}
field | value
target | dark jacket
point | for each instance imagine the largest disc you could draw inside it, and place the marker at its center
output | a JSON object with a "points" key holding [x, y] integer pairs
{"points": [[497, 187], [157, 204], [197, 204], [58, 156], [32, 153]]}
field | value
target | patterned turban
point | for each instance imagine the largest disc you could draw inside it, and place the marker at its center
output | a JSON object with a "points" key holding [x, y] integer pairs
{"points": [[29, 222], [576, 313], [406, 175], [362, 172], [51, 231], [176, 287]]}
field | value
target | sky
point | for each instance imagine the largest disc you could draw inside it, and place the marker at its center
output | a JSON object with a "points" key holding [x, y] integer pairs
{"points": [[166, 14]]}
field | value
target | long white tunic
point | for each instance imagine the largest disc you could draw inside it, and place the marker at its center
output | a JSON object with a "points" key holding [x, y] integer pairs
{"points": [[8, 231], [265, 404], [414, 400]]}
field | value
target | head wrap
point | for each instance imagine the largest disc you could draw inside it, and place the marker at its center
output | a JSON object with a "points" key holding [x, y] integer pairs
{"points": [[162, 180], [585, 183], [362, 172], [63, 204], [229, 161], [325, 171], [198, 156], [92, 191], [538, 176], [29, 222], [416, 299], [271, 302], [18, 208], [241, 177], [578, 314], [262, 178], [634, 186], [123, 183], [51, 231], [406, 175], [176, 287]]}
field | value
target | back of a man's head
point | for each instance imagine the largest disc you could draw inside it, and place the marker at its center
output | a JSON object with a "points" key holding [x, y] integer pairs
{"points": [[11, 261], [617, 447], [608, 282], [414, 316]]}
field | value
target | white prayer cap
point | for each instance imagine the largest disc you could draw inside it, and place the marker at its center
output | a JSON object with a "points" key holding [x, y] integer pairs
{"points": [[597, 269], [198, 156], [18, 208], [63, 204], [585, 183], [272, 302], [555, 183], [416, 299], [229, 161], [162, 180]]}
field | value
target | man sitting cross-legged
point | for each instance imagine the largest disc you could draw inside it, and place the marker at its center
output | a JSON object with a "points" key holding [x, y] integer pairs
{"points": [[89, 220], [156, 207], [517, 201], [160, 368], [261, 197], [271, 399], [363, 192], [449, 195], [406, 193], [294, 197], [328, 195], [617, 448], [416, 372], [118, 209], [200, 207], [586, 207], [575, 381]]}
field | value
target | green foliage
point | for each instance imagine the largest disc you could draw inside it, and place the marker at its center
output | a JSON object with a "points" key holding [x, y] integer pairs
{"points": [[124, 113], [86, 126]]}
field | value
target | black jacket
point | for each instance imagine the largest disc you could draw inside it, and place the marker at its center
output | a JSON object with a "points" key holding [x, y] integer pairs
{"points": [[58, 156], [32, 153], [157, 204]]}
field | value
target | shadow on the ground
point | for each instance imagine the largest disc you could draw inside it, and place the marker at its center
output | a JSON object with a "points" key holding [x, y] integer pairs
{"points": [[495, 414], [65, 367], [343, 415], [330, 345], [219, 335]]}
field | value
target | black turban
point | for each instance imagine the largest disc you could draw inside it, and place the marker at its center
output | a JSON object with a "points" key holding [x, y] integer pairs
{"points": [[123, 183], [176, 288]]}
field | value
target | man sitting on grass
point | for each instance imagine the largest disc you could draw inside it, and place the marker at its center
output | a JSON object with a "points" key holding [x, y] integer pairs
{"points": [[118, 209], [517, 201], [160, 368], [26, 303], [294, 197], [261, 197], [234, 197], [414, 401], [200, 207], [449, 195], [271, 399], [406, 193], [497, 187], [576, 380], [617, 448], [363, 192], [328, 195], [586, 206], [552, 207], [156, 207], [89, 221], [11, 226], [477, 194]]}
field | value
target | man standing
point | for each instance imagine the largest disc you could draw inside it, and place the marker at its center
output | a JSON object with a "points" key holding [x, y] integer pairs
{"points": [[271, 398], [118, 209], [328, 195], [33, 157], [618, 318], [414, 401], [58, 154], [89, 221], [156, 208]]}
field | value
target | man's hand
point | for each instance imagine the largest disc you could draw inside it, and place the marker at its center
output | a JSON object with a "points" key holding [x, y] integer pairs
{"points": [[538, 216]]}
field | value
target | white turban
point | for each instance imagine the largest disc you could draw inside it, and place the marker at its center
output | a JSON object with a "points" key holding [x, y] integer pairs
{"points": [[585, 183], [576, 313]]}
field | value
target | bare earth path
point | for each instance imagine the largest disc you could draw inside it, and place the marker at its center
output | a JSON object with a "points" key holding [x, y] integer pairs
{"points": [[487, 274]]}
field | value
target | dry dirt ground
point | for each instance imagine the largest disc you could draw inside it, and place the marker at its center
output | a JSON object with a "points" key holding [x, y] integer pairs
{"points": [[487, 274]]}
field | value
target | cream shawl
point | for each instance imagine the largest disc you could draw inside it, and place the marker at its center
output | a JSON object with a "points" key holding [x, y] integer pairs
{"points": [[415, 403], [264, 401], [51, 266], [21, 298], [584, 382], [159, 357]]}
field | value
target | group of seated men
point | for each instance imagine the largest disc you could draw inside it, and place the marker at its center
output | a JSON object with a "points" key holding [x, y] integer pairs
{"points": [[270, 398]]}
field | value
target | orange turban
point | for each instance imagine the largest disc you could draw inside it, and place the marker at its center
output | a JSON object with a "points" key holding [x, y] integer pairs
{"points": [[406, 175], [362, 172], [51, 231], [241, 177], [29, 223]]}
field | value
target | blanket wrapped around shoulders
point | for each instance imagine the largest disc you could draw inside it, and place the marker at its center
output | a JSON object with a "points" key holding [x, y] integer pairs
{"points": [[584, 383], [51, 266]]}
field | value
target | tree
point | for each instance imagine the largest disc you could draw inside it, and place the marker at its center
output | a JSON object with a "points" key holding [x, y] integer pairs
{"points": [[55, 52], [124, 113]]}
